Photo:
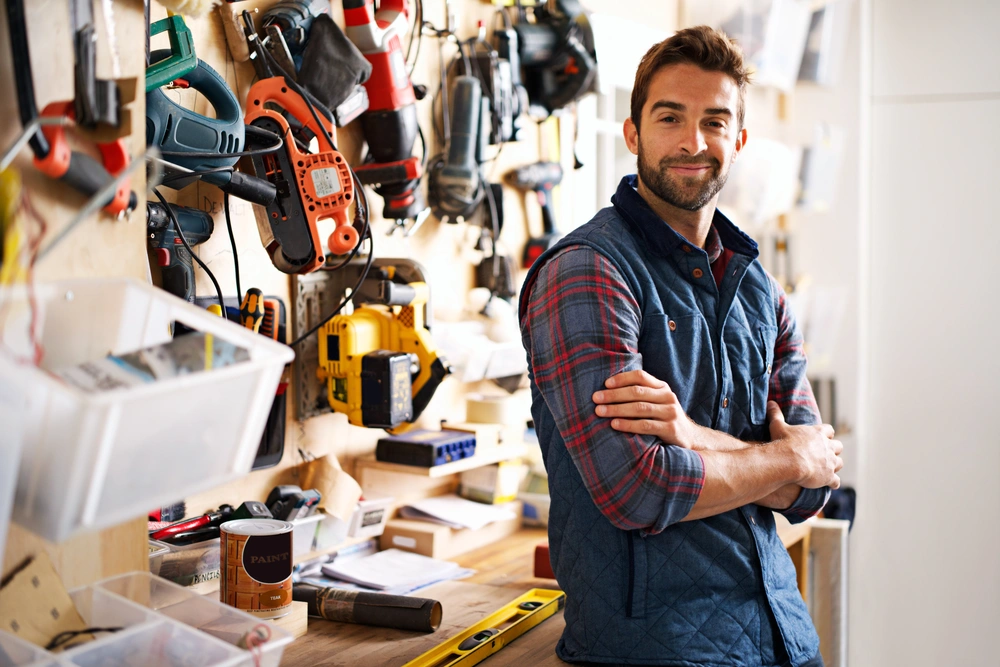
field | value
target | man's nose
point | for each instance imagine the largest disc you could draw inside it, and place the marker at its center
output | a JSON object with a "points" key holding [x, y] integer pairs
{"points": [[693, 141]]}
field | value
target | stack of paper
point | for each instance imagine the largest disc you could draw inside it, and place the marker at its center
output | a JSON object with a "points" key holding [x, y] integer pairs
{"points": [[456, 512], [393, 569]]}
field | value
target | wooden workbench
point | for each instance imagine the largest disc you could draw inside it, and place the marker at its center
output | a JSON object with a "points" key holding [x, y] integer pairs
{"points": [[505, 570]]}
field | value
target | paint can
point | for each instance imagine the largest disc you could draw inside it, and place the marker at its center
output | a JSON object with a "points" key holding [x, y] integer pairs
{"points": [[256, 566]]}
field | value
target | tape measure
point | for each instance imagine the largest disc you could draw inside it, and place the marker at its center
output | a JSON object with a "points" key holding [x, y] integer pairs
{"points": [[480, 641]]}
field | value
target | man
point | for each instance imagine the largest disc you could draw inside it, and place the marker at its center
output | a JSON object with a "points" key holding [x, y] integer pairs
{"points": [[655, 340]]}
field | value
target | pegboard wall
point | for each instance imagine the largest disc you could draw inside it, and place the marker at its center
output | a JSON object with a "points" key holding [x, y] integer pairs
{"points": [[105, 247], [445, 250]]}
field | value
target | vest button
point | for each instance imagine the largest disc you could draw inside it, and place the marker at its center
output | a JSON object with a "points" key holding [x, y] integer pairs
{"points": [[753, 520], [686, 248], [672, 325], [697, 273], [725, 402]]}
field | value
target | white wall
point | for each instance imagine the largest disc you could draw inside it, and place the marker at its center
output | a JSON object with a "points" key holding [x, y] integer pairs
{"points": [[925, 576]]}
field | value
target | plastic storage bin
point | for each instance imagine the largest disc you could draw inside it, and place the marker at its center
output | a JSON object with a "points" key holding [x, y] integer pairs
{"points": [[164, 625], [304, 534], [157, 550], [193, 565], [11, 418], [92, 460]]}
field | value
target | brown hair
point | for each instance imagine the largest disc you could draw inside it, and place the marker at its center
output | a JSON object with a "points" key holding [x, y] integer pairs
{"points": [[711, 50]]}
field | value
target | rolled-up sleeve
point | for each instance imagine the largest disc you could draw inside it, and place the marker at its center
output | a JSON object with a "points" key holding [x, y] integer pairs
{"points": [[790, 389], [580, 326]]}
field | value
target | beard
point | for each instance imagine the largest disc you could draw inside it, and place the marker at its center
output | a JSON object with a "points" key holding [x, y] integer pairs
{"points": [[689, 193]]}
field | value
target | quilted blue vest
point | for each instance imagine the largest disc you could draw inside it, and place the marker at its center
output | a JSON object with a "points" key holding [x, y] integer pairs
{"points": [[718, 591]]}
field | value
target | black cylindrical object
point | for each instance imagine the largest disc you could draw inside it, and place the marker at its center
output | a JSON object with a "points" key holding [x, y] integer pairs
{"points": [[250, 188], [386, 611], [465, 111]]}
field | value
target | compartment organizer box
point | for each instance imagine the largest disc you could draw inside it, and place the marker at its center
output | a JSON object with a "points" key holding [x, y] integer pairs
{"points": [[94, 459], [163, 625]]}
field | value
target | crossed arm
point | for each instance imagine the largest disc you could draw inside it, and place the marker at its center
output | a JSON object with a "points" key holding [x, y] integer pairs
{"points": [[581, 326], [770, 474]]}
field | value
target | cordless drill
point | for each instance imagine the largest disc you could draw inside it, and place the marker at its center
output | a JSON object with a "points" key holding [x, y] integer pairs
{"points": [[539, 178], [173, 258]]}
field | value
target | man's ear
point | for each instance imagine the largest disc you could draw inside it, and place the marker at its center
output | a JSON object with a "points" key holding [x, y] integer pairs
{"points": [[741, 141], [631, 133]]}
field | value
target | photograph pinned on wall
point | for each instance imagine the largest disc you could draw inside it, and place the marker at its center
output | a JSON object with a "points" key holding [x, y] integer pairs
{"points": [[772, 34], [826, 43], [821, 162]]}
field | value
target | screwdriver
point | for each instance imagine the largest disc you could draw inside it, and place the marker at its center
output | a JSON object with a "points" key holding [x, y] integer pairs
{"points": [[252, 309]]}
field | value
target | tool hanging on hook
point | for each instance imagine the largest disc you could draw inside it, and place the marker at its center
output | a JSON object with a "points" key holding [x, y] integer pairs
{"points": [[53, 155]]}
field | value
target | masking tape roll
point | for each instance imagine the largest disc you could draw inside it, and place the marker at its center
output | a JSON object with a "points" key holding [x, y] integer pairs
{"points": [[482, 409]]}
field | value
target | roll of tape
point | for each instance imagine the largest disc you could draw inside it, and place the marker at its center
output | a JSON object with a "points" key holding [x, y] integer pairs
{"points": [[498, 409]]}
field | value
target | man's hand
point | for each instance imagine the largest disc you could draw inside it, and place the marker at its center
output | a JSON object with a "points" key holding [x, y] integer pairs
{"points": [[637, 402], [814, 449]]}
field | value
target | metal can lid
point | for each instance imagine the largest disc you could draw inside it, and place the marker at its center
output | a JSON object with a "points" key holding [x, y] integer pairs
{"points": [[256, 527]]}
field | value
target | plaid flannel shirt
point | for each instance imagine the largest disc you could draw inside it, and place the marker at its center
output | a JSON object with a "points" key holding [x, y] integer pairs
{"points": [[584, 322]]}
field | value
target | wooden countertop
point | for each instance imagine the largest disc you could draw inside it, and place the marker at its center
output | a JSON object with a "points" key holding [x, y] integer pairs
{"points": [[505, 570]]}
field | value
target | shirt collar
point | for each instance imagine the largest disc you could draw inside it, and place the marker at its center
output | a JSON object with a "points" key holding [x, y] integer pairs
{"points": [[662, 238]]}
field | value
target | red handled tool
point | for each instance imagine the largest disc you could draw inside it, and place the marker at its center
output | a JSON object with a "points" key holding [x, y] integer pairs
{"points": [[210, 519], [53, 156]]}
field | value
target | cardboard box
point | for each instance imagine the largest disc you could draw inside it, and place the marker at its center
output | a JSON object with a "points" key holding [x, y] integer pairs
{"points": [[440, 541]]}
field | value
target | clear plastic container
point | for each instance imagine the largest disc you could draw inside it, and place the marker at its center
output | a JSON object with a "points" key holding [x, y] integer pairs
{"points": [[304, 534], [157, 550], [208, 616], [92, 460], [195, 566], [11, 416], [163, 625]]}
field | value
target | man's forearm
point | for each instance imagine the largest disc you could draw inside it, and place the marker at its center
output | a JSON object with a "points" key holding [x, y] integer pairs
{"points": [[740, 477], [707, 438], [781, 499]]}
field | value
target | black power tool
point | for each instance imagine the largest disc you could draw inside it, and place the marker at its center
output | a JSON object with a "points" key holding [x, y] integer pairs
{"points": [[454, 183], [557, 56], [539, 178]]}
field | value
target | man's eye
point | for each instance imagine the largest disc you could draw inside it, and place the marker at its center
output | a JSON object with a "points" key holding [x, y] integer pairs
{"points": [[669, 119], [715, 123]]}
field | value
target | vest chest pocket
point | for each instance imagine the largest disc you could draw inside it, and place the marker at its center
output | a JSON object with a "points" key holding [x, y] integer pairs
{"points": [[677, 349], [765, 337]]}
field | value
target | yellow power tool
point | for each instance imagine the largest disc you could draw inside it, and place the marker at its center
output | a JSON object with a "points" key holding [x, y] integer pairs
{"points": [[380, 363]]}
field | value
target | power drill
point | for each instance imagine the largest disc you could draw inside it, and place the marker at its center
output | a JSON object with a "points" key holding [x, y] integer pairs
{"points": [[390, 124], [539, 178], [175, 262]]}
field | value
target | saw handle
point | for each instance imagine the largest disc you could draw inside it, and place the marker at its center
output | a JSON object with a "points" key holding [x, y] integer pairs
{"points": [[276, 91]]}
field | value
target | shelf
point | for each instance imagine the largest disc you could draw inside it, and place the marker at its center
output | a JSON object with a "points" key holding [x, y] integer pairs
{"points": [[484, 456]]}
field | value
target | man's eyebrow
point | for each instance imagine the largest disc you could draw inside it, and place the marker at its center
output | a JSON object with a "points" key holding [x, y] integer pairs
{"points": [[677, 106], [666, 104]]}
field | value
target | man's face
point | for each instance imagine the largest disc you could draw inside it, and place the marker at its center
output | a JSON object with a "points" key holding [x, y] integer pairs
{"points": [[689, 136]]}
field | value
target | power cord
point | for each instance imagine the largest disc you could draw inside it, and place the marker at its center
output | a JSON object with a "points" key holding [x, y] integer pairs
{"points": [[232, 242], [180, 235], [363, 198]]}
